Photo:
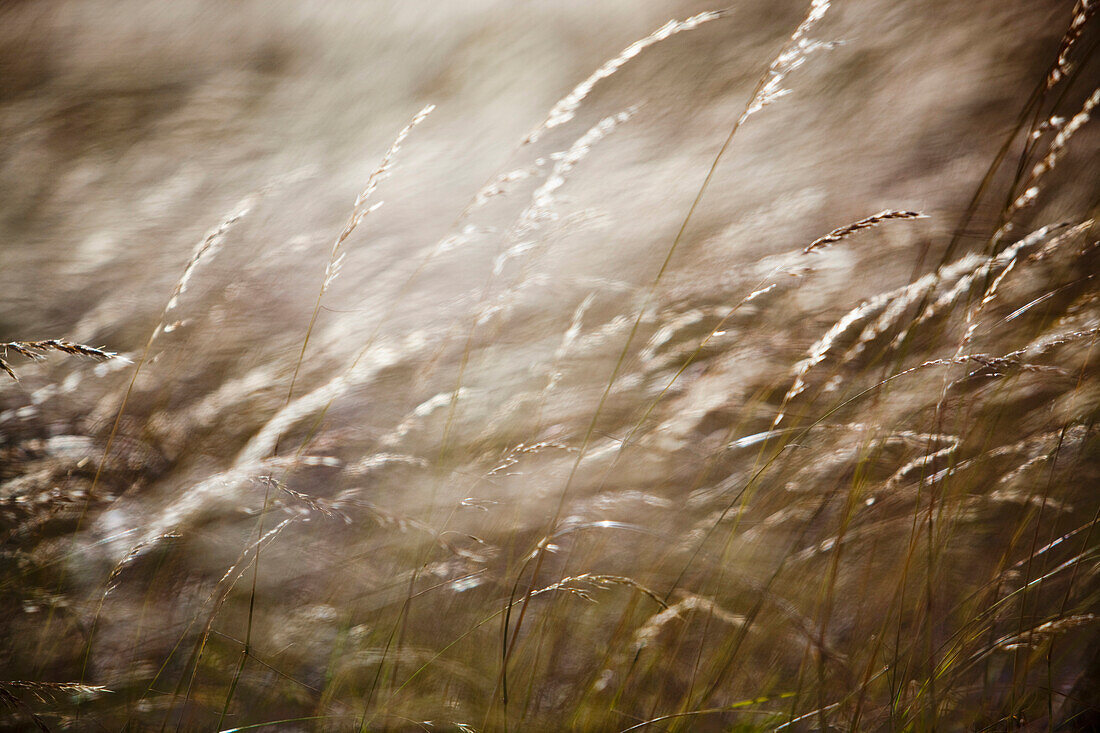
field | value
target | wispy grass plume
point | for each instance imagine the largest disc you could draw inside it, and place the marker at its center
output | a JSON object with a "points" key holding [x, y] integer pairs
{"points": [[566, 108]]}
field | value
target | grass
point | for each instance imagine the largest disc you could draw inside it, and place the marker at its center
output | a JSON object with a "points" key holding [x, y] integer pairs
{"points": [[683, 501]]}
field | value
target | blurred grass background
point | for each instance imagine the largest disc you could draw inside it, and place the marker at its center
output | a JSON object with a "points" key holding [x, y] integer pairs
{"points": [[911, 554]]}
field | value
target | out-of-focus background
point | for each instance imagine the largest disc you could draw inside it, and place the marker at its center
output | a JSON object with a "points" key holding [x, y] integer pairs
{"points": [[502, 399]]}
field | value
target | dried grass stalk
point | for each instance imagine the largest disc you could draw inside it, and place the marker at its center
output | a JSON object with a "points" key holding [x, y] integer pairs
{"points": [[1082, 12], [871, 221], [1055, 151], [206, 248], [135, 552], [543, 199], [213, 240], [1058, 146], [310, 502], [360, 209], [44, 691], [569, 585], [36, 350], [790, 58], [566, 108]]}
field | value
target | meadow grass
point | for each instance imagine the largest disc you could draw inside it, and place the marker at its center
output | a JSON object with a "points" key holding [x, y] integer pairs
{"points": [[663, 507]]}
